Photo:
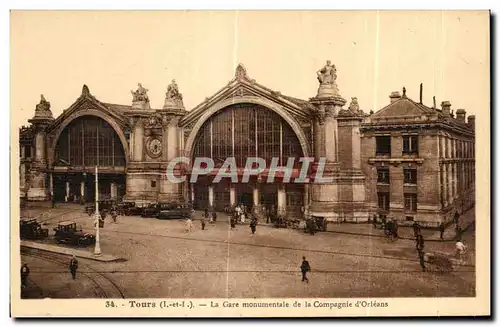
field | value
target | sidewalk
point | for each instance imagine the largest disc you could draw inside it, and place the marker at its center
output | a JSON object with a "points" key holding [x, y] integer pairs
{"points": [[70, 252], [466, 220], [367, 229]]}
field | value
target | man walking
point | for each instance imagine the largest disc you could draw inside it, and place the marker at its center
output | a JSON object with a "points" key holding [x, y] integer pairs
{"points": [[25, 271], [420, 250], [441, 231], [73, 266], [253, 225], [305, 267], [203, 223]]}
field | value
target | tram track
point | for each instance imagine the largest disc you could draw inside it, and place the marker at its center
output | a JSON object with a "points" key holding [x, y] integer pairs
{"points": [[105, 286]]}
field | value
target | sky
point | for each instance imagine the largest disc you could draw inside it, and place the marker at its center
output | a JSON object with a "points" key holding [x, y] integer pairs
{"points": [[55, 52]]}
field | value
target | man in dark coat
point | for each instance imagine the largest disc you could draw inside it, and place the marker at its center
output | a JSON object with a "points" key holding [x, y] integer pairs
{"points": [[73, 266], [25, 271], [253, 225], [214, 216], [420, 250], [441, 230], [305, 267], [374, 221]]}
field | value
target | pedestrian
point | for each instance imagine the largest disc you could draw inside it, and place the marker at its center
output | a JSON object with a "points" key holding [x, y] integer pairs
{"points": [[456, 218], [189, 225], [305, 267], [374, 221], [253, 225], [233, 223], [214, 216], [53, 201], [384, 222], [416, 229], [73, 266], [203, 223], [268, 214], [441, 231], [205, 214], [421, 257], [25, 271], [460, 249], [420, 243]]}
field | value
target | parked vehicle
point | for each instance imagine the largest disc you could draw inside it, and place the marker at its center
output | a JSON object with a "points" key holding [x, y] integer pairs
{"points": [[175, 211], [151, 210], [67, 232], [104, 207], [124, 207], [31, 229]]}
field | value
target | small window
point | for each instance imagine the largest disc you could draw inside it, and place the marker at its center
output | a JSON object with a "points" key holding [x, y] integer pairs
{"points": [[383, 200], [383, 145], [410, 202], [383, 175], [410, 144], [410, 176], [153, 183], [409, 218]]}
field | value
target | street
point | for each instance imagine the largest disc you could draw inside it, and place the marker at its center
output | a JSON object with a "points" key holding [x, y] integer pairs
{"points": [[162, 260]]}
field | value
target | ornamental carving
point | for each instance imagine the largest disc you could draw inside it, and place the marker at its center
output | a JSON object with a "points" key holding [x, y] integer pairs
{"points": [[140, 95], [241, 72], [154, 121]]}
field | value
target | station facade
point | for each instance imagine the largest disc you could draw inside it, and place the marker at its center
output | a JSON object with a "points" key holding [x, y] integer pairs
{"points": [[132, 145]]}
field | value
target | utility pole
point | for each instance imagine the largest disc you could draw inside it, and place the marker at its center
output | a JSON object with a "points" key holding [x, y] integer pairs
{"points": [[97, 250]]}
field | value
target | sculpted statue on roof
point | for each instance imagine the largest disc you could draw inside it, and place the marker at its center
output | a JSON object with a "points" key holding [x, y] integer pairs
{"points": [[327, 74], [173, 91], [43, 105], [140, 94]]}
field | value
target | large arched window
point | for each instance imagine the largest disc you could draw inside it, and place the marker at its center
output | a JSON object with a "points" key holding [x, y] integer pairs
{"points": [[89, 141], [247, 130]]}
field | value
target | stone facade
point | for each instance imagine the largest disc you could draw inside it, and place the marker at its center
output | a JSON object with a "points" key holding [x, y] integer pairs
{"points": [[422, 168], [324, 128]]}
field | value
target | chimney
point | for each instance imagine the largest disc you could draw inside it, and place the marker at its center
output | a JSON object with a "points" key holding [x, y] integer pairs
{"points": [[395, 96], [434, 102], [421, 91], [461, 115], [445, 107], [471, 121]]}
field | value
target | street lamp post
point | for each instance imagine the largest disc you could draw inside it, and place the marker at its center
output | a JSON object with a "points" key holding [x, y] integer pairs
{"points": [[97, 249]]}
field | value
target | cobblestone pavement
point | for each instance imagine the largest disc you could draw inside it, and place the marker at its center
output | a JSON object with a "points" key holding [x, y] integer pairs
{"points": [[165, 261]]}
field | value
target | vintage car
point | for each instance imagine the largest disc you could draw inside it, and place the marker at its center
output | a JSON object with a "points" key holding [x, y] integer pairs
{"points": [[67, 232], [151, 210], [104, 207], [175, 211], [130, 209], [31, 229]]}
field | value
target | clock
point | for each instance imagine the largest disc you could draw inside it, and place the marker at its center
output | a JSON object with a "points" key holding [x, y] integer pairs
{"points": [[154, 147]]}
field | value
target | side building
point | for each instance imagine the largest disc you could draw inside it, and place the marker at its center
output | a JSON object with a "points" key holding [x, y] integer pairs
{"points": [[419, 161]]}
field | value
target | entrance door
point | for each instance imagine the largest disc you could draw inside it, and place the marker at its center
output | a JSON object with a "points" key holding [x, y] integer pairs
{"points": [[246, 199], [269, 196]]}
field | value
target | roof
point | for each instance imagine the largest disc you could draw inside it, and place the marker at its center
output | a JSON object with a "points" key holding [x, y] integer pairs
{"points": [[66, 223], [117, 107], [404, 107]]}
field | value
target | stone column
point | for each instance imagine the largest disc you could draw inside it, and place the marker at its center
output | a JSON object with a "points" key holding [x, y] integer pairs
{"points": [[82, 190], [232, 195], [281, 199], [138, 141], [191, 192], [40, 147], [210, 197], [66, 198], [22, 176], [449, 174], [444, 184], [172, 145], [113, 190], [306, 198], [256, 195]]}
